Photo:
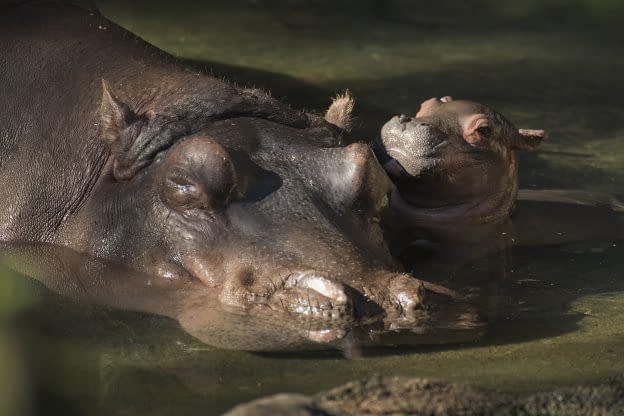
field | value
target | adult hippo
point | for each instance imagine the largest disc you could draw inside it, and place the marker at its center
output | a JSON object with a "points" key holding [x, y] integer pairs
{"points": [[226, 197], [113, 149]]}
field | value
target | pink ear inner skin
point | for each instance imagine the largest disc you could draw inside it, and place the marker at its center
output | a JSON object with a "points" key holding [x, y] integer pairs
{"points": [[470, 127], [532, 132]]}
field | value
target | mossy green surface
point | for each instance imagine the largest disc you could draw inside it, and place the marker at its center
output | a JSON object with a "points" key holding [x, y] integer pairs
{"points": [[561, 317], [552, 65]]}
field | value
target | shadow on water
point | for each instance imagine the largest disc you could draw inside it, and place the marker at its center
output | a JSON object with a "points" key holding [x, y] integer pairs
{"points": [[571, 106]]}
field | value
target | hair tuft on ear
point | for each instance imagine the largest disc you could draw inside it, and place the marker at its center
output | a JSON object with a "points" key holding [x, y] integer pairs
{"points": [[339, 112]]}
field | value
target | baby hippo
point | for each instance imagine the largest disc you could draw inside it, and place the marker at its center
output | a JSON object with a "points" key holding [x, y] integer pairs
{"points": [[454, 161]]}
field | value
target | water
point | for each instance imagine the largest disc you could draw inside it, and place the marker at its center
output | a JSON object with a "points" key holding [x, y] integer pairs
{"points": [[557, 310]]}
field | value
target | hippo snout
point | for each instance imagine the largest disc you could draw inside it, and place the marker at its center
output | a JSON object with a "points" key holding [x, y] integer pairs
{"points": [[315, 297], [402, 131], [404, 119], [399, 299], [406, 146], [409, 302], [319, 283]]}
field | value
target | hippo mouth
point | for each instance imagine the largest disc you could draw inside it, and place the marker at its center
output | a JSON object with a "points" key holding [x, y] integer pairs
{"points": [[390, 159], [408, 147], [312, 294], [432, 154], [324, 307], [329, 310], [309, 295]]}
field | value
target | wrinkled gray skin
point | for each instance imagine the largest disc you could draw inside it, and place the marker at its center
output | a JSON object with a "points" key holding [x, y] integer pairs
{"points": [[111, 148]]}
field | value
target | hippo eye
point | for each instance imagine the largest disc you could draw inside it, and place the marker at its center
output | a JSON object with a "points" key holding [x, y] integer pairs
{"points": [[485, 131], [180, 190]]}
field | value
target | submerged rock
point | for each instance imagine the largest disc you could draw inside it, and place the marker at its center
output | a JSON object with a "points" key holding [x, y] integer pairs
{"points": [[417, 396], [400, 395]]}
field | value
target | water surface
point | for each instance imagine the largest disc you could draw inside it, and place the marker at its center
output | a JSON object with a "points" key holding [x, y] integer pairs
{"points": [[556, 311]]}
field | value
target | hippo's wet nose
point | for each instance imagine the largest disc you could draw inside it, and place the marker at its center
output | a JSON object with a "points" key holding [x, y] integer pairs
{"points": [[404, 119]]}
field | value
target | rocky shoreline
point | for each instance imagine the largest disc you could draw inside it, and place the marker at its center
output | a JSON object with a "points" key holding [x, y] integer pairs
{"points": [[418, 396]]}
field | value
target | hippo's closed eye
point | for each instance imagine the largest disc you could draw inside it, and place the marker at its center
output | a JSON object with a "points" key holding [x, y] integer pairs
{"points": [[181, 189], [198, 173]]}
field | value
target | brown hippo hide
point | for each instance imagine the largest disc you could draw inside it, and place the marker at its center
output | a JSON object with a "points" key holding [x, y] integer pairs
{"points": [[222, 195]]}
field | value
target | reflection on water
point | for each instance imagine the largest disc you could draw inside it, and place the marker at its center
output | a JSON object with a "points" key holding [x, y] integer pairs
{"points": [[15, 296], [554, 311], [199, 312], [554, 318]]}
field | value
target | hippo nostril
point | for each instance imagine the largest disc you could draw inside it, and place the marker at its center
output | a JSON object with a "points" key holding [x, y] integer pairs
{"points": [[319, 283], [408, 295], [423, 124], [404, 119]]}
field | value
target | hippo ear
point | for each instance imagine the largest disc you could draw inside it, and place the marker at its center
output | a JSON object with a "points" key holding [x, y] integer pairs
{"points": [[339, 112], [115, 117], [527, 139]]}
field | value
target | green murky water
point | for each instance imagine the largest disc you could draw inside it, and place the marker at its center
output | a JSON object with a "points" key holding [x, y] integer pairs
{"points": [[559, 310]]}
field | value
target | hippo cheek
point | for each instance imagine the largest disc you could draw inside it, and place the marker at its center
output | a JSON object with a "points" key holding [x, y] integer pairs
{"points": [[207, 268], [157, 262], [169, 271]]}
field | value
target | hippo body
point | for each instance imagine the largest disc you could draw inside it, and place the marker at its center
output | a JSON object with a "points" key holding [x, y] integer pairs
{"points": [[455, 167], [219, 199], [128, 156], [54, 60]]}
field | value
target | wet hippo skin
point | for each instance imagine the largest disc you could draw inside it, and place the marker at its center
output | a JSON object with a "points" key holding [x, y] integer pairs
{"points": [[111, 148], [454, 161], [455, 167]]}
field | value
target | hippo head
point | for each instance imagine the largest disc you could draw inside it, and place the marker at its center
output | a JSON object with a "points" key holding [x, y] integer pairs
{"points": [[264, 213], [455, 157]]}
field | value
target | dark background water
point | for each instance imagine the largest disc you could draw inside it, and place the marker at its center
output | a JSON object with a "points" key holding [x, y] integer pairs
{"points": [[556, 65]]}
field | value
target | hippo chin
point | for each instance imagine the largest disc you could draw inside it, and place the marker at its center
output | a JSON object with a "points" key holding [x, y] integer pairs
{"points": [[128, 156]]}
